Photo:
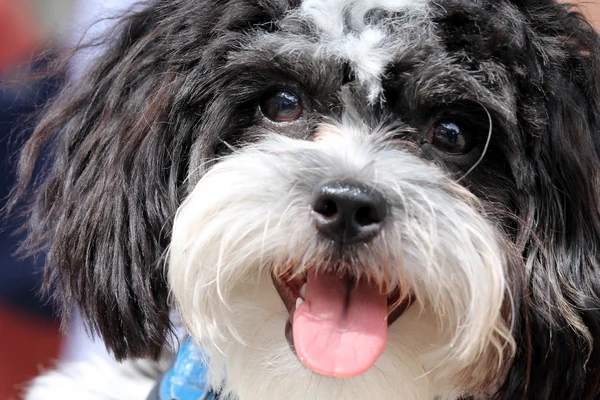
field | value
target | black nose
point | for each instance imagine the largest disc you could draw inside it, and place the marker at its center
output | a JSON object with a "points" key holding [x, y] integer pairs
{"points": [[348, 213]]}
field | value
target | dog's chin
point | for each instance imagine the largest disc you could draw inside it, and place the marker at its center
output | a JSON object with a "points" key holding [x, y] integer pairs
{"points": [[334, 316]]}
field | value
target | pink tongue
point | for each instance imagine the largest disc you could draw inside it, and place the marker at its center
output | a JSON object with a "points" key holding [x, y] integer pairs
{"points": [[341, 328]]}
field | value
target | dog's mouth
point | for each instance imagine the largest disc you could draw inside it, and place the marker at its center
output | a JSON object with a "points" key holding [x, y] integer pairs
{"points": [[338, 324]]}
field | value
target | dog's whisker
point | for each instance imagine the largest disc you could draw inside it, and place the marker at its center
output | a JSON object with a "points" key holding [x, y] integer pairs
{"points": [[486, 146]]}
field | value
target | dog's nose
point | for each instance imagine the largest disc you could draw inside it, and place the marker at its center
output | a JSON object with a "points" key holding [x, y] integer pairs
{"points": [[347, 212]]}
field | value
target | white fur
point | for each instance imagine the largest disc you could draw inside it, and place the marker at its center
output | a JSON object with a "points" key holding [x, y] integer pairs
{"points": [[335, 18], [250, 213], [97, 379], [370, 46]]}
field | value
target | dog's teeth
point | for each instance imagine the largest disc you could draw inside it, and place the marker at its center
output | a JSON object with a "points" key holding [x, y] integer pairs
{"points": [[303, 291], [298, 302]]}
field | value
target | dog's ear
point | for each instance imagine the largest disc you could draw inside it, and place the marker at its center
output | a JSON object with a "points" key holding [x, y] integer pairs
{"points": [[123, 141], [558, 209], [104, 204]]}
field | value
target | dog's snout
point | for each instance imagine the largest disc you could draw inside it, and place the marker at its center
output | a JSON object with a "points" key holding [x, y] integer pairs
{"points": [[347, 212]]}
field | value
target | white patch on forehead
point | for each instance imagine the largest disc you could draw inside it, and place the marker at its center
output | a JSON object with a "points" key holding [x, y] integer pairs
{"points": [[343, 29], [335, 17]]}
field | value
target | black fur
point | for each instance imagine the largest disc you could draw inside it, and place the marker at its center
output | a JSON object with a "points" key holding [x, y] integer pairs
{"points": [[144, 117], [558, 201], [123, 138]]}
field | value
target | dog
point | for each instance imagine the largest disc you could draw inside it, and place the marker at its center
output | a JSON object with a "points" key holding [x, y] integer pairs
{"points": [[340, 199]]}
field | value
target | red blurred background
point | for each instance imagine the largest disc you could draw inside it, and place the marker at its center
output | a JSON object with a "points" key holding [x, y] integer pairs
{"points": [[20, 35]]}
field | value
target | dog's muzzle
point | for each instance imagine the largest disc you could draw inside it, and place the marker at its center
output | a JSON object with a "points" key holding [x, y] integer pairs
{"points": [[338, 321]]}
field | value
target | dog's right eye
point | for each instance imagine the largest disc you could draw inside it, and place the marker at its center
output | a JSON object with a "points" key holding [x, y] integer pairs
{"points": [[281, 107]]}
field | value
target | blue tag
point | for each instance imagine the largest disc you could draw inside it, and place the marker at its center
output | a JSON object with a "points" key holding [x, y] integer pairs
{"points": [[186, 380]]}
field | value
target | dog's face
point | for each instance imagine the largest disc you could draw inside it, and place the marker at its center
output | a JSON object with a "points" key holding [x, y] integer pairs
{"points": [[339, 195]]}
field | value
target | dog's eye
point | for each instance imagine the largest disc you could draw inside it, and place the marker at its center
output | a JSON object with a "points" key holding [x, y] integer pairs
{"points": [[450, 138], [281, 107]]}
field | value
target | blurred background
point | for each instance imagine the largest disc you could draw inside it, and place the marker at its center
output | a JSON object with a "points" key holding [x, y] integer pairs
{"points": [[30, 338]]}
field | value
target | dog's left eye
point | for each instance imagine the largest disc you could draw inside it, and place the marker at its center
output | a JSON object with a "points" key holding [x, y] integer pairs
{"points": [[450, 138], [281, 107]]}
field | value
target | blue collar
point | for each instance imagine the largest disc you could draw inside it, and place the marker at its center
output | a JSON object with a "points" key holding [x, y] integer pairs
{"points": [[186, 380]]}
